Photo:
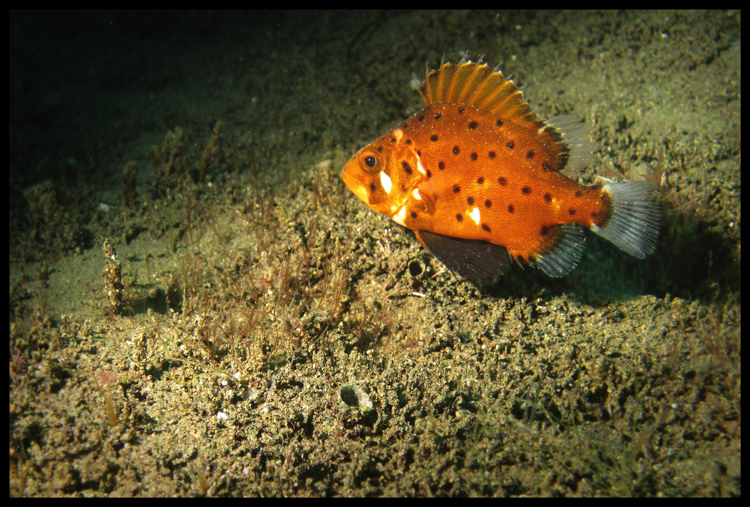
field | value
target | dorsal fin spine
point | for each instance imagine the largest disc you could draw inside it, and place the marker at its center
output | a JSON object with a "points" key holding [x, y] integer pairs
{"points": [[493, 90], [459, 86], [451, 92], [470, 87], [441, 81]]}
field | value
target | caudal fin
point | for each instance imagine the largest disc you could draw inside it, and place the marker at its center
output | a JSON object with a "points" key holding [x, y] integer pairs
{"points": [[633, 224]]}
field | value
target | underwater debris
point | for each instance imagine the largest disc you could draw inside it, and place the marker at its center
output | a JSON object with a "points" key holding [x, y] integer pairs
{"points": [[209, 152], [129, 180], [113, 276]]}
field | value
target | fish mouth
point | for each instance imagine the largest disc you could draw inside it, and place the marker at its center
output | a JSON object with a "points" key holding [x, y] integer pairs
{"points": [[356, 187], [347, 179]]}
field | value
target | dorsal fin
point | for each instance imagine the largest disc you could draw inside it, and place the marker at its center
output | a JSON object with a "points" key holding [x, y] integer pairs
{"points": [[478, 85]]}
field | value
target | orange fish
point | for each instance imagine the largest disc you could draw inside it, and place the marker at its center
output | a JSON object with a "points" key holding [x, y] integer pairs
{"points": [[476, 176]]}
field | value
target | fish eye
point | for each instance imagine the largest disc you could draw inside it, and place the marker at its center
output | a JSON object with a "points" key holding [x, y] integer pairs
{"points": [[369, 162]]}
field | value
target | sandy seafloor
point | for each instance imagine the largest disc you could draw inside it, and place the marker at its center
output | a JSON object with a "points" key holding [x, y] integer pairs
{"points": [[276, 337]]}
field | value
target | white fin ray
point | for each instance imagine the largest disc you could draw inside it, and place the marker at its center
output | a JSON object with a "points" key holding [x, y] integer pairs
{"points": [[634, 222]]}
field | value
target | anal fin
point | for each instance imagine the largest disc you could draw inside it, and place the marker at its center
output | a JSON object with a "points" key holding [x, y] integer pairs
{"points": [[476, 260], [563, 250]]}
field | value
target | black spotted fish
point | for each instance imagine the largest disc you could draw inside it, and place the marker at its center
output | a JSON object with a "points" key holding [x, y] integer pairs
{"points": [[477, 177]]}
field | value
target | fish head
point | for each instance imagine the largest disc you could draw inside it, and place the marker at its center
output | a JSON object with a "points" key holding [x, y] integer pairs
{"points": [[384, 173]]}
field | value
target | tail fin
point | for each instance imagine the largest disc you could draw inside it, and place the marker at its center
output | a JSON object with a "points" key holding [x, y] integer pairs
{"points": [[633, 224]]}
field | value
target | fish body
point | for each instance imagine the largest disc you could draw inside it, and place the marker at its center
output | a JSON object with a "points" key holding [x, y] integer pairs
{"points": [[476, 175]]}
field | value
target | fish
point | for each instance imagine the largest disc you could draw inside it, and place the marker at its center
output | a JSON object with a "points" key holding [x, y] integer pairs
{"points": [[478, 177]]}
